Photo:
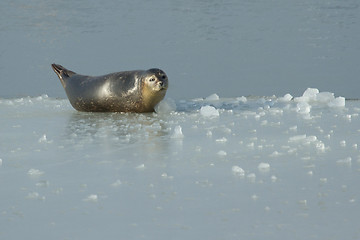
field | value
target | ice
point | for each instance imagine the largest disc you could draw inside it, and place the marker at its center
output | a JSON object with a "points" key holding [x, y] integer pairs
{"points": [[242, 99], [303, 108], [212, 97], [221, 153], [251, 177], [91, 198], [44, 139], [35, 196], [238, 171], [297, 138], [177, 133], [286, 98], [117, 183], [35, 172], [346, 161], [264, 167], [166, 106], [262, 153], [314, 96], [209, 111], [337, 102], [140, 167], [221, 140]]}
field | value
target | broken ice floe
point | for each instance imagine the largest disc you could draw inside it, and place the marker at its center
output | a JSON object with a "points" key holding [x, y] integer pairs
{"points": [[209, 111], [313, 95]]}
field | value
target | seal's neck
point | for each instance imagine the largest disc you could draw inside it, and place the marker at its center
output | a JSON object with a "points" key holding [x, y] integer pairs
{"points": [[150, 98]]}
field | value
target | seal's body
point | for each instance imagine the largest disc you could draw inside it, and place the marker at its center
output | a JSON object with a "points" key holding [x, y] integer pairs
{"points": [[129, 91]]}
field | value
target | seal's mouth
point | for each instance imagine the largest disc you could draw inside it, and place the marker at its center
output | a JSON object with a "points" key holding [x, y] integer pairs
{"points": [[162, 86]]}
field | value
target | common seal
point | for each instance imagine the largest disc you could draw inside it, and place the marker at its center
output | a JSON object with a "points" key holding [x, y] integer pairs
{"points": [[128, 91]]}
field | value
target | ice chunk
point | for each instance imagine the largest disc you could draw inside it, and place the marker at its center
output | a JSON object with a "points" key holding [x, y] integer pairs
{"points": [[166, 106], [209, 111], [275, 154], [251, 177], [177, 133], [320, 146], [323, 180], [222, 140], [264, 167], [346, 161], [212, 97], [303, 108], [221, 153], [303, 202], [273, 178], [116, 183], [141, 167], [166, 176], [297, 138], [238, 171], [324, 97], [311, 94], [293, 128], [35, 172], [1, 162], [35, 195], [286, 98], [43, 139], [43, 184], [91, 198], [42, 97], [242, 99], [311, 139], [337, 102]]}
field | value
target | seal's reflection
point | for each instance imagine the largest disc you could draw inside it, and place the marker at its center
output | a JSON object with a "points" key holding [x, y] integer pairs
{"points": [[148, 132]]}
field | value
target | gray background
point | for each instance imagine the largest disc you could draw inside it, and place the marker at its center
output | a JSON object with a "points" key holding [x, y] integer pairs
{"points": [[231, 47]]}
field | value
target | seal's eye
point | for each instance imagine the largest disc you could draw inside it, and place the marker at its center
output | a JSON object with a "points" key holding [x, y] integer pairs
{"points": [[152, 79]]}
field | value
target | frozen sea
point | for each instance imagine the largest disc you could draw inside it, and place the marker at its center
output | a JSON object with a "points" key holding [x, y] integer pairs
{"points": [[213, 168], [258, 137]]}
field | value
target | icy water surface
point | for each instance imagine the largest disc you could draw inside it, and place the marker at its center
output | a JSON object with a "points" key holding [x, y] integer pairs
{"points": [[214, 168]]}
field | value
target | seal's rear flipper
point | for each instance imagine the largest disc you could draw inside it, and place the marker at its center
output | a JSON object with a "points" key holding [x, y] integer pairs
{"points": [[62, 73]]}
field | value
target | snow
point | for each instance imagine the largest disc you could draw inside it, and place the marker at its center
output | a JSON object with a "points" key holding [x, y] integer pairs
{"points": [[287, 159]]}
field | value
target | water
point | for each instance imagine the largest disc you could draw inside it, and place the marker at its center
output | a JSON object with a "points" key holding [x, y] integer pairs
{"points": [[229, 47], [228, 167]]}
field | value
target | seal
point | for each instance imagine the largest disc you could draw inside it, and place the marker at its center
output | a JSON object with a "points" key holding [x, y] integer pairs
{"points": [[128, 91]]}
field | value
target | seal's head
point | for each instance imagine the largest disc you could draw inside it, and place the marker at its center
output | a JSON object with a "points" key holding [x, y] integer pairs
{"points": [[156, 80], [154, 86]]}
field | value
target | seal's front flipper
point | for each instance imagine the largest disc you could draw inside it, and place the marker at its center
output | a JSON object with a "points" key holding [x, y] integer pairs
{"points": [[62, 73]]}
